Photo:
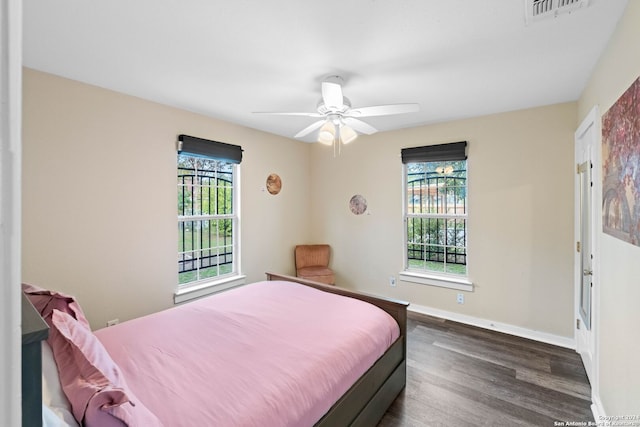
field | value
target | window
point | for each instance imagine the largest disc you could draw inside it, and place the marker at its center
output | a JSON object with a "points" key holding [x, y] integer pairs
{"points": [[435, 210], [208, 222]]}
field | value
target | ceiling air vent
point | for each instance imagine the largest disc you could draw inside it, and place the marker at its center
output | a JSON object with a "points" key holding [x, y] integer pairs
{"points": [[536, 10]]}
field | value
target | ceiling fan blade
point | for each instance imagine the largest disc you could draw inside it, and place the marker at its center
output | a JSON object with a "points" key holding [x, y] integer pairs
{"points": [[384, 110], [310, 128], [359, 125], [276, 113], [332, 95]]}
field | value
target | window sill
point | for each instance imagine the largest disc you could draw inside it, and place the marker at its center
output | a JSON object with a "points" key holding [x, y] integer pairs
{"points": [[451, 282], [199, 290]]}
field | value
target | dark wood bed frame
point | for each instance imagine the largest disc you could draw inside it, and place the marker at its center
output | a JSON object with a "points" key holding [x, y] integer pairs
{"points": [[367, 400]]}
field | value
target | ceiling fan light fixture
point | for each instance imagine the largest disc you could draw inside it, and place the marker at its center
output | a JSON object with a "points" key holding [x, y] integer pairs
{"points": [[347, 134], [327, 133], [338, 122]]}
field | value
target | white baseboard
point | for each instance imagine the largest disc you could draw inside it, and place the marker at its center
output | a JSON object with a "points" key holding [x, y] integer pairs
{"points": [[496, 326], [597, 410]]}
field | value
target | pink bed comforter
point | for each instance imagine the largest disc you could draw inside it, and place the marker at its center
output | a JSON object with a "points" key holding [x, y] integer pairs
{"points": [[265, 354]]}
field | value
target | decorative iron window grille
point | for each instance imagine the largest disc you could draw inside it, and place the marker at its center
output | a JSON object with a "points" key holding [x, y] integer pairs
{"points": [[436, 217], [206, 218]]}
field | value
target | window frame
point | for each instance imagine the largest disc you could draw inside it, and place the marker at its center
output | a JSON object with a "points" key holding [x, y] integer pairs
{"points": [[428, 277], [207, 285]]}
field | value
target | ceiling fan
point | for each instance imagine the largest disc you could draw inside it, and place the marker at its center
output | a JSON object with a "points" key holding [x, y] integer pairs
{"points": [[339, 121]]}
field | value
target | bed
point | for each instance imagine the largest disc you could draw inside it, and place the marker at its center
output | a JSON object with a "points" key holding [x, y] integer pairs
{"points": [[268, 353]]}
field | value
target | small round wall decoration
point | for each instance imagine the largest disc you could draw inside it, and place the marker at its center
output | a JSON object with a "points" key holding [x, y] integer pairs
{"points": [[274, 184], [358, 204]]}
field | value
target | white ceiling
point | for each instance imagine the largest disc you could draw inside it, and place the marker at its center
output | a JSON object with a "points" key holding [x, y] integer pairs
{"points": [[227, 59]]}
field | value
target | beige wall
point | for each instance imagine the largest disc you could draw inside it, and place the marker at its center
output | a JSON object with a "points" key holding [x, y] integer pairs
{"points": [[618, 343], [99, 196], [520, 215]]}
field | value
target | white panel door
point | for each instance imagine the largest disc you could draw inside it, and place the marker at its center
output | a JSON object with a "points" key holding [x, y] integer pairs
{"points": [[586, 139]]}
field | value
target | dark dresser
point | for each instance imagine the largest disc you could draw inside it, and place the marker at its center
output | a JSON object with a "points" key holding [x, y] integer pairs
{"points": [[34, 330]]}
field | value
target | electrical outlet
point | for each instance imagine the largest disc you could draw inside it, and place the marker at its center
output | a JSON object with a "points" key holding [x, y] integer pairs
{"points": [[392, 281], [460, 298], [113, 322]]}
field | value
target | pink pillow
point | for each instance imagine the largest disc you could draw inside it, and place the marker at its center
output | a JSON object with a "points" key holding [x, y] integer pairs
{"points": [[46, 301], [91, 380]]}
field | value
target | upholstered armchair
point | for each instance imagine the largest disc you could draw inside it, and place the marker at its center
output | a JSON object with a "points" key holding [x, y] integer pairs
{"points": [[312, 263]]}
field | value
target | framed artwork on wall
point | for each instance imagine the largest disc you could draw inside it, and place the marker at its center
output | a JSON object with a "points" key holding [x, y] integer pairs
{"points": [[274, 184], [621, 167], [358, 204]]}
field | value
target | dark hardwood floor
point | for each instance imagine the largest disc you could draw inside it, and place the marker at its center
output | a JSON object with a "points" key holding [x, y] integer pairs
{"points": [[459, 375]]}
